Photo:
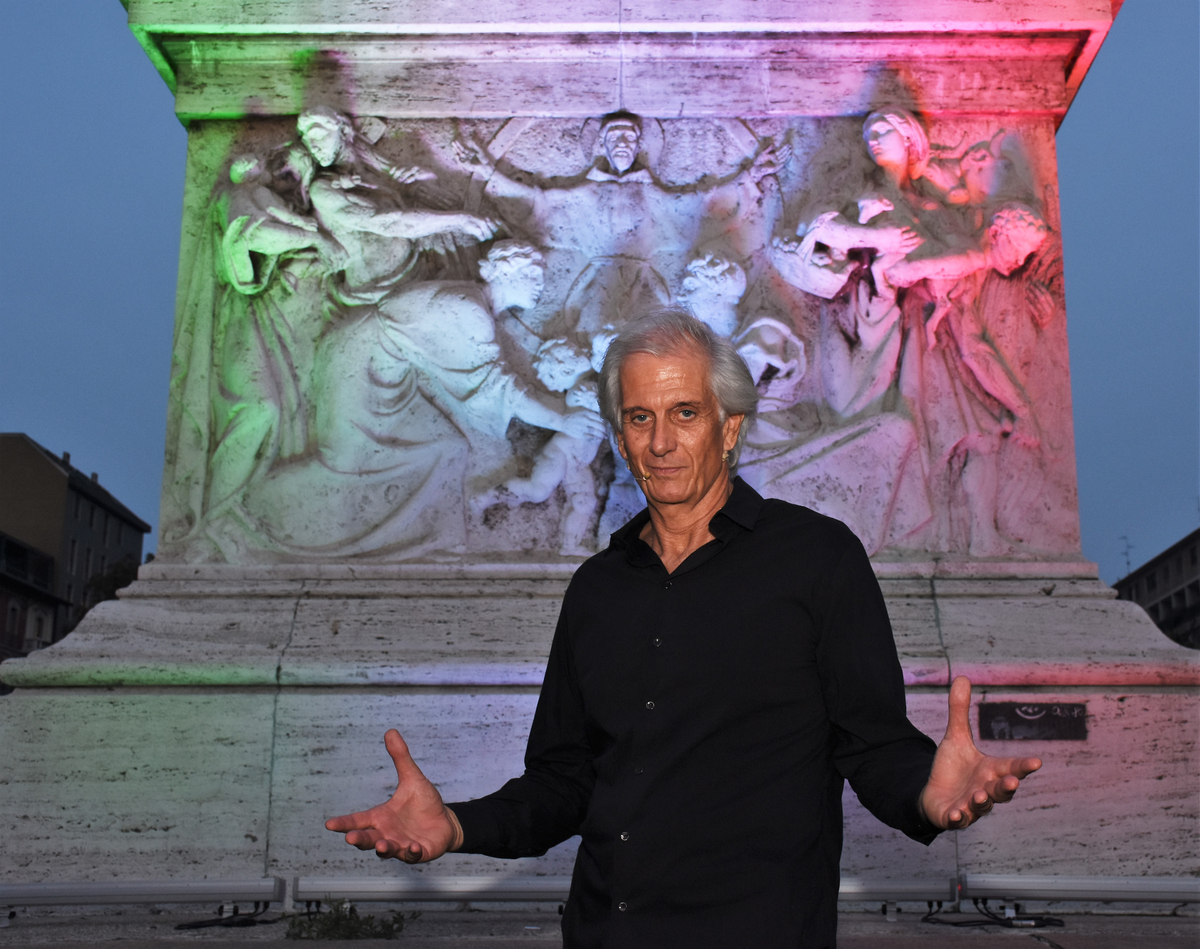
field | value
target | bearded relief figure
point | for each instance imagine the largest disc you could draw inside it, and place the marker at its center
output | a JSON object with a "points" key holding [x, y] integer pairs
{"points": [[624, 230], [920, 270]]}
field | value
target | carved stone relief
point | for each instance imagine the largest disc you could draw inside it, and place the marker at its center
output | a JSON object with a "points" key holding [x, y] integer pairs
{"points": [[388, 343]]}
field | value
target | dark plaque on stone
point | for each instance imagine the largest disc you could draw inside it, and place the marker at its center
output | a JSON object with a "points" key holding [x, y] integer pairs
{"points": [[1033, 721]]}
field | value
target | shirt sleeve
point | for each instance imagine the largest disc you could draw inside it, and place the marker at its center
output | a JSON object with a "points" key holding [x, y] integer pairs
{"points": [[547, 804], [886, 759]]}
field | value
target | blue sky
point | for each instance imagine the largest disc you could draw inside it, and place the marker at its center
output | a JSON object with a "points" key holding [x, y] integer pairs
{"points": [[92, 196]]}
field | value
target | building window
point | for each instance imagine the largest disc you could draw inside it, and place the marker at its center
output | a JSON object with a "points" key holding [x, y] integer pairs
{"points": [[73, 560], [92, 516], [120, 533], [104, 563], [78, 506], [1192, 556], [38, 631], [13, 629], [87, 563], [70, 593], [1151, 582]]}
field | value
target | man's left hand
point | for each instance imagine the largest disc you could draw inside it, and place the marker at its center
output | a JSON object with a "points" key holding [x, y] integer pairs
{"points": [[965, 783]]}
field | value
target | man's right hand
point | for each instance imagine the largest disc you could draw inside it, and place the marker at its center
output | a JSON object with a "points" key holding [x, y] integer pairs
{"points": [[414, 825]]}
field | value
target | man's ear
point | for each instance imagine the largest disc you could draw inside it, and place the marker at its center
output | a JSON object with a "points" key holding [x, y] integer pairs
{"points": [[731, 430], [619, 437]]}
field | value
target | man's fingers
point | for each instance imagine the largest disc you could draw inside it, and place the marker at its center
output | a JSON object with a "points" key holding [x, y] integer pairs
{"points": [[360, 820], [397, 748], [1006, 787], [362, 839], [412, 853], [959, 724], [978, 805], [409, 852]]}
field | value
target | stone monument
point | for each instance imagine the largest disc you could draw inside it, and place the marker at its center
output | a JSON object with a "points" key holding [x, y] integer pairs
{"points": [[410, 232]]}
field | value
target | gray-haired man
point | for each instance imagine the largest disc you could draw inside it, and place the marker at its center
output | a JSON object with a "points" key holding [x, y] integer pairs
{"points": [[716, 674]]}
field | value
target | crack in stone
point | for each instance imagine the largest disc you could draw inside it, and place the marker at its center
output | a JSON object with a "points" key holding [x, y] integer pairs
{"points": [[937, 624], [300, 598]]}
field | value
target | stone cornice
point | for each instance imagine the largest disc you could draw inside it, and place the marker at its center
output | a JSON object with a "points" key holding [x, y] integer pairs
{"points": [[225, 59]]}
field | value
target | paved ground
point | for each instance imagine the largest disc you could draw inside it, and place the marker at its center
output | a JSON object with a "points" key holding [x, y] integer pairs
{"points": [[522, 929]]}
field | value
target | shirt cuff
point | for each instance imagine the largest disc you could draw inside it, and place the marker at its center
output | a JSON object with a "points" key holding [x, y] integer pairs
{"points": [[478, 824], [915, 824]]}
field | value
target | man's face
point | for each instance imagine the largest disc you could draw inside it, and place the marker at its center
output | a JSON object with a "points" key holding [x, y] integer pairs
{"points": [[672, 429], [621, 143], [324, 142]]}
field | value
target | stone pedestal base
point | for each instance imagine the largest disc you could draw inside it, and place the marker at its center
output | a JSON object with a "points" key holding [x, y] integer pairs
{"points": [[207, 723]]}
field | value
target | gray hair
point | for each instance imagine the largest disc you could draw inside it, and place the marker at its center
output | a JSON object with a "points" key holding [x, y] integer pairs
{"points": [[670, 331]]}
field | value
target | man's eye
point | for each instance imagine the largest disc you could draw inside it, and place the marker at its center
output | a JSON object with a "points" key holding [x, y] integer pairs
{"points": [[687, 413]]}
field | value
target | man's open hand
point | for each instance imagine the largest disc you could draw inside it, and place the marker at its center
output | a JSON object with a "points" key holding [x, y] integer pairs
{"points": [[966, 783], [414, 826]]}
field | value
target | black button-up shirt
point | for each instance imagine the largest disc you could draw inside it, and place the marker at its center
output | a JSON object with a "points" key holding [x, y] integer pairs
{"points": [[695, 729]]}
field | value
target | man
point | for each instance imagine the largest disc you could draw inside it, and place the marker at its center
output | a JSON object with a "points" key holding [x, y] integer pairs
{"points": [[715, 674]]}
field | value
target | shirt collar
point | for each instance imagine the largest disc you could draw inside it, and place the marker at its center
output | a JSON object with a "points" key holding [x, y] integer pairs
{"points": [[743, 506], [741, 511]]}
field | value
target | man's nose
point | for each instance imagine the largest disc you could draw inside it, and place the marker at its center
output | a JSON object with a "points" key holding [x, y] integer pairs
{"points": [[663, 438]]}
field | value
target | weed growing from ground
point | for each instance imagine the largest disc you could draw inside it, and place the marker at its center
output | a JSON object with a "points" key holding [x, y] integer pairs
{"points": [[343, 922]]}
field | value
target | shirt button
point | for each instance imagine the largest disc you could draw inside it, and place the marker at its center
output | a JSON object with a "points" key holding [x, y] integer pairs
{"points": [[622, 906], [624, 835], [650, 705], [657, 641], [637, 770], [667, 585]]}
